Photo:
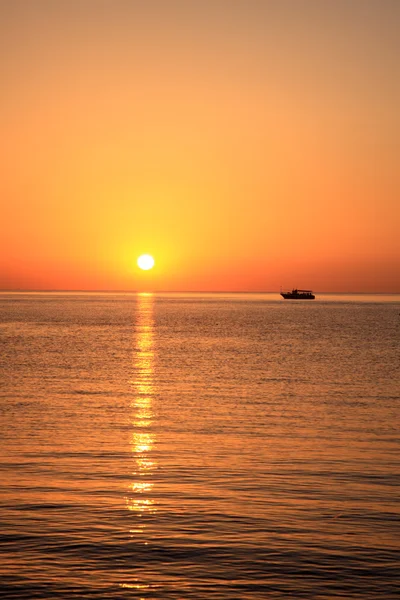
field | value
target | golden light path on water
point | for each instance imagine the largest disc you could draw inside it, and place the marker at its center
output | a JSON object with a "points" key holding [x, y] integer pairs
{"points": [[142, 439]]}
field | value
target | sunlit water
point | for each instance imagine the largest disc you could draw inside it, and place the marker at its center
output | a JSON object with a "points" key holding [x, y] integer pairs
{"points": [[199, 446]]}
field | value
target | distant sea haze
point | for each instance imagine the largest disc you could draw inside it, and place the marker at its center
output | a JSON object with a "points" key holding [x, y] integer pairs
{"points": [[192, 446]]}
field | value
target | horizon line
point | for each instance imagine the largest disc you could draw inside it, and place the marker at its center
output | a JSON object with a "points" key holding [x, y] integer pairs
{"points": [[117, 291]]}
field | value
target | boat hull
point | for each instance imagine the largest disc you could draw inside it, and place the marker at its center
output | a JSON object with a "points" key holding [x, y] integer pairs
{"points": [[290, 296]]}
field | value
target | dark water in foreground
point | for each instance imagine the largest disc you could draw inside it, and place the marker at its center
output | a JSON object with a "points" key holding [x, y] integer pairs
{"points": [[199, 446]]}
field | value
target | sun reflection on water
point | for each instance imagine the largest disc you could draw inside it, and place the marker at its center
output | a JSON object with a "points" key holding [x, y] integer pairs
{"points": [[142, 441]]}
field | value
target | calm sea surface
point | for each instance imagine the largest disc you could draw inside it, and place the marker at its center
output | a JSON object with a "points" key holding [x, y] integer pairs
{"points": [[199, 446]]}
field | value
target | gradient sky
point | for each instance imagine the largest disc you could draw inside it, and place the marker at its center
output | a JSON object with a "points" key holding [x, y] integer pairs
{"points": [[246, 144]]}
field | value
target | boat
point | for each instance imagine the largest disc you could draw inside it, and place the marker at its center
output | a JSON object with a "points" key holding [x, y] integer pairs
{"points": [[296, 294]]}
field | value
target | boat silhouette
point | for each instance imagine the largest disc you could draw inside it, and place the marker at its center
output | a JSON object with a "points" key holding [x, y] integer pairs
{"points": [[296, 294]]}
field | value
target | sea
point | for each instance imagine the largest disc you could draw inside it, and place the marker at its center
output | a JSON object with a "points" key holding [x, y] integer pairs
{"points": [[199, 446]]}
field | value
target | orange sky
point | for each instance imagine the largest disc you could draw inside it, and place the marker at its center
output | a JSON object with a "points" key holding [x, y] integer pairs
{"points": [[246, 144]]}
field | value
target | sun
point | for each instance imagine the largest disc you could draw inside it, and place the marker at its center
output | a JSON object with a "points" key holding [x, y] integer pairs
{"points": [[145, 262]]}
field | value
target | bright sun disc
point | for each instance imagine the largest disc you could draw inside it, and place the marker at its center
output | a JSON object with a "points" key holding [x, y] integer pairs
{"points": [[145, 262]]}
